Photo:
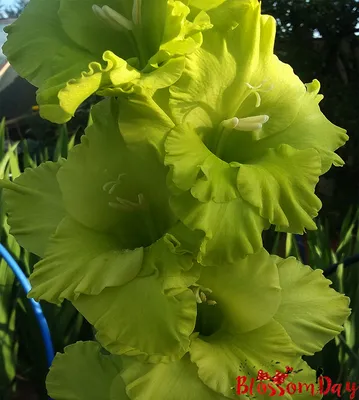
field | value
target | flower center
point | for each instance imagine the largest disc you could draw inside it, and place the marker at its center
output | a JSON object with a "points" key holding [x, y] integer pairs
{"points": [[246, 124], [139, 208], [209, 319]]}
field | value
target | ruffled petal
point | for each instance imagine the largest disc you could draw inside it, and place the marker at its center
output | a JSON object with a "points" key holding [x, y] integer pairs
{"points": [[176, 381], [232, 230], [282, 186], [157, 299], [247, 292], [311, 312], [82, 261], [59, 98], [84, 373], [34, 205], [222, 357], [195, 168]]}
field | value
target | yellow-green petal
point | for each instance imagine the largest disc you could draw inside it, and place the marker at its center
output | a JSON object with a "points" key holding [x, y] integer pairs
{"points": [[82, 261], [82, 372], [34, 205], [311, 312]]}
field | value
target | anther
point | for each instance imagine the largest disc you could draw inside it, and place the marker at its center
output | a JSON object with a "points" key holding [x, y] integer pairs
{"points": [[112, 17], [203, 297], [247, 124]]}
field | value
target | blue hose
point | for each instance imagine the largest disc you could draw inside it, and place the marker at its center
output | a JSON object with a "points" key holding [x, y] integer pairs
{"points": [[39, 315]]}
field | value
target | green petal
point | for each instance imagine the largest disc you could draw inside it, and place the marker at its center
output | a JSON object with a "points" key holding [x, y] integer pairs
{"points": [[141, 119], [82, 261], [311, 312], [213, 82], [168, 313], [206, 4], [126, 187], [83, 373], [48, 50], [180, 36], [90, 32], [35, 206], [282, 185], [187, 155], [305, 381], [311, 129], [241, 355], [59, 98], [232, 230], [247, 292], [196, 96], [176, 381]]}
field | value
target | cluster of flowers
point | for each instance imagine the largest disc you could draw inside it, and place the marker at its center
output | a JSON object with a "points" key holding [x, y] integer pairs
{"points": [[152, 227]]}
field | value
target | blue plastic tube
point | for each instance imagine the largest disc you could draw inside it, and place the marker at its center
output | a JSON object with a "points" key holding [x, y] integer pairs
{"points": [[39, 315]]}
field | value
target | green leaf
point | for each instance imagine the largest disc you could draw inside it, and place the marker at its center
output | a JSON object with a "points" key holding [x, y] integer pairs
{"points": [[35, 207], [310, 311], [82, 261], [84, 373]]}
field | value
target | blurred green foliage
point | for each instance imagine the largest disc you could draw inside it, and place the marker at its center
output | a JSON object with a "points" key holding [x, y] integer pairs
{"points": [[22, 354]]}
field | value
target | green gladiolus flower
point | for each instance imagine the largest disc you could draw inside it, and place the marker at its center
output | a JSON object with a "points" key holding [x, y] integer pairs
{"points": [[109, 242], [249, 142], [111, 48], [259, 309]]}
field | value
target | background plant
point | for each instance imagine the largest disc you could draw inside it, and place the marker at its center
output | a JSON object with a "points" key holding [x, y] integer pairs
{"points": [[23, 366]]}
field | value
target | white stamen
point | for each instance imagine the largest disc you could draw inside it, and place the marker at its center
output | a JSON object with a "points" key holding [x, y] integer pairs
{"points": [[136, 12], [127, 205], [111, 186], [230, 123], [112, 17], [248, 124]]}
